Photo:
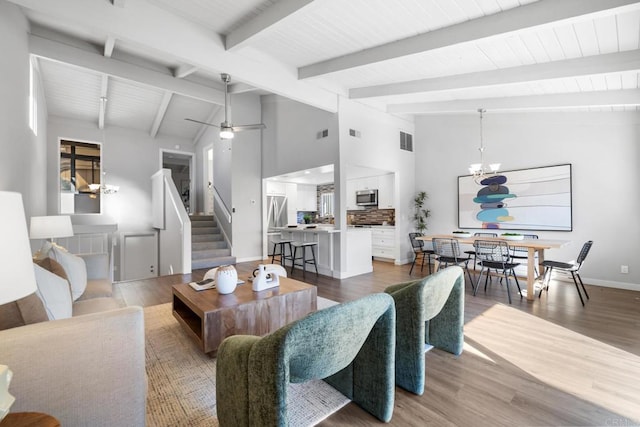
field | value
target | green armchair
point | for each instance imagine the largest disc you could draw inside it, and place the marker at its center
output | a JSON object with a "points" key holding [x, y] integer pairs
{"points": [[351, 346], [429, 311]]}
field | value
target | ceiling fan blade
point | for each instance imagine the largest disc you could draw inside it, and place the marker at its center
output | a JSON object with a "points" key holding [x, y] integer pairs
{"points": [[202, 123], [238, 128]]}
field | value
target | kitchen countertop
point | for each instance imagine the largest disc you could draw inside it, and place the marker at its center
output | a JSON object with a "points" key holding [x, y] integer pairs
{"points": [[320, 228]]}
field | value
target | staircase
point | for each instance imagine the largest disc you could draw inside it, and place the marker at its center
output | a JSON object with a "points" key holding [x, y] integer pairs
{"points": [[208, 247]]}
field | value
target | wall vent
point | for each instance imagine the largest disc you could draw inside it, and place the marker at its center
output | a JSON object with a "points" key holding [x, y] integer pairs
{"points": [[354, 133], [406, 141], [322, 134]]}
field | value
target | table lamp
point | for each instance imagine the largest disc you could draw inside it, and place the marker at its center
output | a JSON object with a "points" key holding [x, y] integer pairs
{"points": [[17, 278], [50, 227]]}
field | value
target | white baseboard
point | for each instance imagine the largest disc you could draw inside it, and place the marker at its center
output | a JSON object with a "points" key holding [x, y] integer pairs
{"points": [[609, 284], [257, 258]]}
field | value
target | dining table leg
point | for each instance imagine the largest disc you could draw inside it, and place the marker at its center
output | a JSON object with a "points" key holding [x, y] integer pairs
{"points": [[531, 275]]}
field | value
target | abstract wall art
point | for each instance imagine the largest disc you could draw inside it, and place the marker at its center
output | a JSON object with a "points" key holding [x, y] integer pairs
{"points": [[523, 199]]}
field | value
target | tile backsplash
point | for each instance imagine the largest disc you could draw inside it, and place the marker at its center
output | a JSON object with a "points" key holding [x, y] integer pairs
{"points": [[371, 216]]}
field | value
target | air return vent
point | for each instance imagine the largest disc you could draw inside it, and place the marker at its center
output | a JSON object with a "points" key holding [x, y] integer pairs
{"points": [[354, 133], [322, 134], [406, 141]]}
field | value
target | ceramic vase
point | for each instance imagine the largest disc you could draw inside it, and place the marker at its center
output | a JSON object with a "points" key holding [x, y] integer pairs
{"points": [[6, 400], [226, 279]]}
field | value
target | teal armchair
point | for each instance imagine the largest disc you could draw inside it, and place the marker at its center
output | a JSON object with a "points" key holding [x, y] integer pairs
{"points": [[351, 346], [429, 311]]}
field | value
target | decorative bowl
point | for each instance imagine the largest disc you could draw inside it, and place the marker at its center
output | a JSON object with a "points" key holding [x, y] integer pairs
{"points": [[461, 235], [512, 236]]}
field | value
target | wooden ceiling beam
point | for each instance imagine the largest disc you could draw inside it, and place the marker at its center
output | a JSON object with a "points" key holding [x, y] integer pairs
{"points": [[618, 98], [262, 22], [586, 66], [543, 12]]}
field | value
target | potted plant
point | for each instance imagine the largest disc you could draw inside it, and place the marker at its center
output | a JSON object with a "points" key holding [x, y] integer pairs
{"points": [[307, 219], [421, 214]]}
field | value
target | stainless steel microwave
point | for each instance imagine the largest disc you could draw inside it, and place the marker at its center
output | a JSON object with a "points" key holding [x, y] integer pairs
{"points": [[367, 198]]}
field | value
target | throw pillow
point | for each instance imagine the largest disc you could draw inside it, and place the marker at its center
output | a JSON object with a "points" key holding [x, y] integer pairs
{"points": [[22, 312], [53, 266], [74, 267], [54, 293]]}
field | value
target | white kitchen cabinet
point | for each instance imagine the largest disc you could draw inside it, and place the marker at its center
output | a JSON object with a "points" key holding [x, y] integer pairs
{"points": [[307, 198], [386, 193], [275, 188], [351, 195], [383, 242], [292, 203]]}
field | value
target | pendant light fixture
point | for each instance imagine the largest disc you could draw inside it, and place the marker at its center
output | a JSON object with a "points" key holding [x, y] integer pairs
{"points": [[478, 170]]}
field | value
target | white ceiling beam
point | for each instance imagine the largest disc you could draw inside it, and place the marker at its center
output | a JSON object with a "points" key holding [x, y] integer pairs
{"points": [[236, 88], [162, 111], [531, 15], [156, 29], [268, 18], [109, 44], [184, 70], [590, 65], [60, 52], [104, 87], [627, 97]]}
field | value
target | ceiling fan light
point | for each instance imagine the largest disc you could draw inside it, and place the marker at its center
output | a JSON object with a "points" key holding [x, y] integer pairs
{"points": [[226, 133]]}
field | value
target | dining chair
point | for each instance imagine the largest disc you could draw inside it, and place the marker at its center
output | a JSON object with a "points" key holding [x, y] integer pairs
{"points": [[495, 255], [472, 253], [419, 251], [568, 267], [447, 252]]}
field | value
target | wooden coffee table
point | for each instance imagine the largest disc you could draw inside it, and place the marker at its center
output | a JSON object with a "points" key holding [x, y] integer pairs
{"points": [[209, 317]]}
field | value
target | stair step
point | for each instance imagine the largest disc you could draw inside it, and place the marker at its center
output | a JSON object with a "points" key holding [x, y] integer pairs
{"points": [[201, 218], [204, 230], [198, 238], [212, 262], [210, 253], [201, 246], [200, 224]]}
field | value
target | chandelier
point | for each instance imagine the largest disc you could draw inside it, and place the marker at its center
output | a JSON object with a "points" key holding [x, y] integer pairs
{"points": [[104, 188], [479, 170]]}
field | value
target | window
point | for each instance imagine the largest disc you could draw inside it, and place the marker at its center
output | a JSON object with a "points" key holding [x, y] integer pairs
{"points": [[406, 141], [326, 204], [80, 177]]}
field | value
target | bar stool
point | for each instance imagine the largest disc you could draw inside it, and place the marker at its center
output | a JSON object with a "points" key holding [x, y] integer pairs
{"points": [[281, 254], [303, 257]]}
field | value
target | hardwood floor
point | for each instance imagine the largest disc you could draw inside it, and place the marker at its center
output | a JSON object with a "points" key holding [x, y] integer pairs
{"points": [[550, 362]]}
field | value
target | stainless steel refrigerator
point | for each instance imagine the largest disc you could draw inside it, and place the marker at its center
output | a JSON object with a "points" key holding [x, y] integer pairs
{"points": [[276, 212]]}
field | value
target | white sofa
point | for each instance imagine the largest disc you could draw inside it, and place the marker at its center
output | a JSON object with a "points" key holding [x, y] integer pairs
{"points": [[86, 370]]}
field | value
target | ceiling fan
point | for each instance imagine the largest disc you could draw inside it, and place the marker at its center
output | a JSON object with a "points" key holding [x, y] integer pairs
{"points": [[226, 128]]}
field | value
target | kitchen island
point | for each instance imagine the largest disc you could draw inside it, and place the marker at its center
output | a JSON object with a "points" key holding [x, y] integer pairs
{"points": [[320, 233]]}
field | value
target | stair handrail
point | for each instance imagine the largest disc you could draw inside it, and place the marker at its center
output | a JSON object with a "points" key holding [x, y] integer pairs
{"points": [[222, 204], [164, 196]]}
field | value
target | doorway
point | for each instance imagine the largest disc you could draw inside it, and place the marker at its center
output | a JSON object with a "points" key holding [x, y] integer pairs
{"points": [[181, 166]]}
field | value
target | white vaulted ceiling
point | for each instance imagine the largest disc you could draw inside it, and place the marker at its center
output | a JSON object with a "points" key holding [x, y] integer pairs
{"points": [[158, 61]]}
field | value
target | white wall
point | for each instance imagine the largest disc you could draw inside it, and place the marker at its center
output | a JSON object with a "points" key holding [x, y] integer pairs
{"points": [[603, 149], [237, 176], [379, 147], [289, 141], [22, 153]]}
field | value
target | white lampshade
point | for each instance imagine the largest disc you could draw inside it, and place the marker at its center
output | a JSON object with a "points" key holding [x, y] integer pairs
{"points": [[49, 227], [17, 279]]}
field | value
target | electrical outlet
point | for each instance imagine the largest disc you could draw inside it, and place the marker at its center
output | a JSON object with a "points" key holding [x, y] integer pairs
{"points": [[624, 269]]}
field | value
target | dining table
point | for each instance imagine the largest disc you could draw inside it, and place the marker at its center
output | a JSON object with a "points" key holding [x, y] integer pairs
{"points": [[534, 246]]}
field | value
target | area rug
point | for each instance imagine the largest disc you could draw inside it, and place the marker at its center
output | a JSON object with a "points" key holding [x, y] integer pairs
{"points": [[182, 380]]}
